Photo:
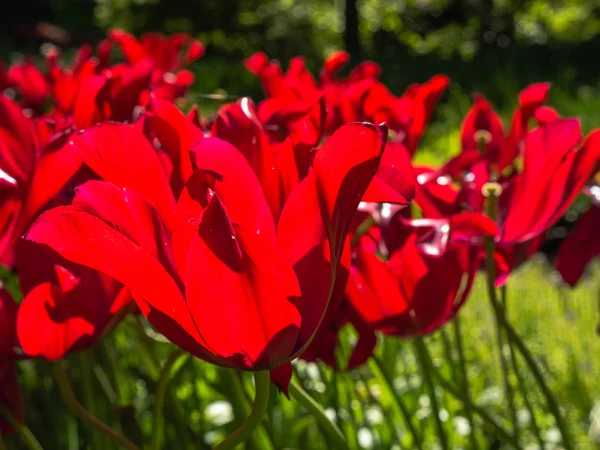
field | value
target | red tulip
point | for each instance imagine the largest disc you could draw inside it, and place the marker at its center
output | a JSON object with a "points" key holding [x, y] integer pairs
{"points": [[225, 283], [31, 84], [500, 150], [555, 168], [35, 164]]}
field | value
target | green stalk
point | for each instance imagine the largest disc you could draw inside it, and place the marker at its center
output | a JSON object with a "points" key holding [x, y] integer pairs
{"points": [[85, 365], [380, 371], [457, 393], [539, 378], [331, 429], [93, 422], [528, 405], [23, 430], [521, 380], [492, 193], [152, 364], [426, 368], [508, 390], [239, 401], [465, 381], [259, 408], [159, 402]]}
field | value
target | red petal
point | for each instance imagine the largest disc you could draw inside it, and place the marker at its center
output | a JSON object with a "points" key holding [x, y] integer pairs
{"points": [[130, 46], [256, 63], [17, 146], [334, 63], [281, 377], [90, 100], [580, 247], [344, 167], [233, 260], [121, 154], [84, 239], [482, 117], [176, 134], [548, 162], [57, 166], [321, 209]]}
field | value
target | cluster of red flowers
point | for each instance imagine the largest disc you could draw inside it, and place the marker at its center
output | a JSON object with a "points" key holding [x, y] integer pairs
{"points": [[251, 238]]}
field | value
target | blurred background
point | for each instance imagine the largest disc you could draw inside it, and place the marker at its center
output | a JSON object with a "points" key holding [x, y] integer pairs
{"points": [[496, 46]]}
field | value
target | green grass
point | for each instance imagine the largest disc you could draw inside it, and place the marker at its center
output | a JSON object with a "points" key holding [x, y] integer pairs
{"points": [[558, 325]]}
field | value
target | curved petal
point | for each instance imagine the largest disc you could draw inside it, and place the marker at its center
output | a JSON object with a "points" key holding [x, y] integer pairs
{"points": [[579, 247], [130, 46], [176, 134], [315, 221], [548, 164], [122, 155], [233, 260], [17, 145], [84, 239]]}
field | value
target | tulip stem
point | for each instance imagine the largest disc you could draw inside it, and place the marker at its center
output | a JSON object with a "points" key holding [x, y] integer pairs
{"points": [[331, 429], [259, 408], [515, 339], [173, 407], [508, 389], [378, 369], [159, 401], [528, 405], [426, 367], [481, 412], [464, 378], [93, 422], [23, 430]]}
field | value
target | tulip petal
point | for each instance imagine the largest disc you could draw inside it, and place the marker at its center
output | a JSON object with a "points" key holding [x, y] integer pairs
{"points": [[120, 154]]}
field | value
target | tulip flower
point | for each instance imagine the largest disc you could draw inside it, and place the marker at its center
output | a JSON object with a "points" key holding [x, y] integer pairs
{"points": [[359, 97], [215, 274]]}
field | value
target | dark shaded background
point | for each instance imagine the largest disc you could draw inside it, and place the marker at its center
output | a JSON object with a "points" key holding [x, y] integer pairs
{"points": [[479, 43]]}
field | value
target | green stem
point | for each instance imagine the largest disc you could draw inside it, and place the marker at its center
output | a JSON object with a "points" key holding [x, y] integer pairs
{"points": [[159, 402], [239, 401], [22, 429], [426, 368], [528, 405], [379, 369], [96, 424], [539, 378], [521, 380], [465, 381], [331, 429], [457, 393], [85, 364], [508, 390], [152, 364], [2, 443], [363, 229], [259, 408], [515, 339]]}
